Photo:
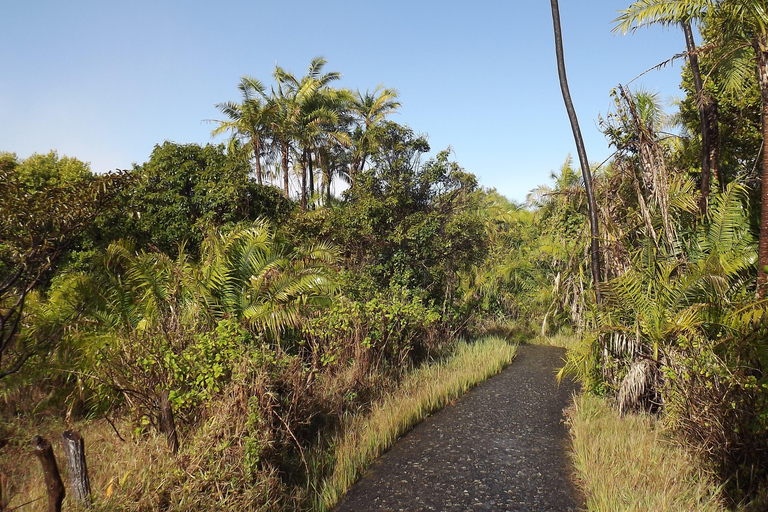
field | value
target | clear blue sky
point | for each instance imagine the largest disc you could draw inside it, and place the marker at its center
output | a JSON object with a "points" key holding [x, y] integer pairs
{"points": [[105, 81]]}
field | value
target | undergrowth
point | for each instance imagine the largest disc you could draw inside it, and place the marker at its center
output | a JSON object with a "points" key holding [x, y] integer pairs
{"points": [[226, 461]]}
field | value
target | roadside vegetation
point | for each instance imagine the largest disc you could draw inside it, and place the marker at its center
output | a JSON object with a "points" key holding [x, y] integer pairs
{"points": [[226, 332], [676, 334], [632, 463], [220, 342]]}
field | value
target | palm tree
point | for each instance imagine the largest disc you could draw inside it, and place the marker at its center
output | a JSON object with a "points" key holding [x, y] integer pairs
{"points": [[642, 14], [663, 302], [283, 128], [323, 128], [146, 306], [633, 129], [559, 215], [311, 109], [147, 309], [595, 234], [250, 119], [369, 110], [740, 35], [331, 137]]}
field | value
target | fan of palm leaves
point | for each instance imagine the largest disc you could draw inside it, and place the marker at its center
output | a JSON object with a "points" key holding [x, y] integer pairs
{"points": [[251, 275], [665, 301]]}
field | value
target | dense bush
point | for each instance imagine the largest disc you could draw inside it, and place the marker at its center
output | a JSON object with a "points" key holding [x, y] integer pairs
{"points": [[390, 331], [181, 192]]}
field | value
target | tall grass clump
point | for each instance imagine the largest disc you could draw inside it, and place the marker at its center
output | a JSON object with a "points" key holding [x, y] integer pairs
{"points": [[629, 463]]}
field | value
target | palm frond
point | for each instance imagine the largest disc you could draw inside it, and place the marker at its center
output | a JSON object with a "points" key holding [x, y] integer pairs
{"points": [[644, 13]]}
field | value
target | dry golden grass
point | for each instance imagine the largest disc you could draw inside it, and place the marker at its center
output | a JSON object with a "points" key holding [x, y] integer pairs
{"points": [[567, 341], [630, 464], [140, 474], [425, 391], [209, 474], [118, 470]]}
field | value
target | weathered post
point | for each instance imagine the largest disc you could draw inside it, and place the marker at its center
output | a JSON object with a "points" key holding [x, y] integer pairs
{"points": [[2, 490], [167, 425], [77, 470], [53, 483]]}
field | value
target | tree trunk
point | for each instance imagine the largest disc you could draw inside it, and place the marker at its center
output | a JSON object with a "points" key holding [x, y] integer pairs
{"points": [[285, 169], [353, 170], [652, 167], [761, 51], [167, 425], [712, 115], [77, 470], [53, 483], [708, 120], [257, 154], [311, 174], [322, 161], [304, 181], [582, 152]]}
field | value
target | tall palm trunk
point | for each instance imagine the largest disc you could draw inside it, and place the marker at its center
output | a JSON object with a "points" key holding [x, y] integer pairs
{"points": [[353, 170], [760, 45], [582, 152], [285, 169], [708, 119], [322, 159], [304, 180], [324, 178], [257, 153], [311, 173]]}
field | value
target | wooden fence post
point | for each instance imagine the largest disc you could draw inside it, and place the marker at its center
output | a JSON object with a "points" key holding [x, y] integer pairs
{"points": [[53, 483], [77, 470], [2, 490], [167, 425]]}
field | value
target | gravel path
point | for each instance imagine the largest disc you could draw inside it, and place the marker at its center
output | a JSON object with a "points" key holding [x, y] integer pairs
{"points": [[501, 447]]}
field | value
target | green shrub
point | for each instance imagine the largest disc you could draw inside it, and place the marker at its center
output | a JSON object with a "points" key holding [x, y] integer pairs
{"points": [[391, 329]]}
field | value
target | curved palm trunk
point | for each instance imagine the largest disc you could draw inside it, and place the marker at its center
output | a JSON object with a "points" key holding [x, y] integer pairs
{"points": [[595, 235], [708, 119], [761, 50]]}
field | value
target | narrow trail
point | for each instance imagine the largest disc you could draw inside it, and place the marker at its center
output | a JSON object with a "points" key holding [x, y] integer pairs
{"points": [[500, 447]]}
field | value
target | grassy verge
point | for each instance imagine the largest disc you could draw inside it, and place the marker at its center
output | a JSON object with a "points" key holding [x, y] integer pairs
{"points": [[628, 463], [631, 463], [210, 474], [425, 391], [567, 341]]}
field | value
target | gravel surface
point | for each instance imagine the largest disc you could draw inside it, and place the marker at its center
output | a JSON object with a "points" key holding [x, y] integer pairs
{"points": [[501, 447]]}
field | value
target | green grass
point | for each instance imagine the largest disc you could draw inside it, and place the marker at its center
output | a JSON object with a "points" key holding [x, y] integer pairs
{"points": [[629, 463], [424, 392]]}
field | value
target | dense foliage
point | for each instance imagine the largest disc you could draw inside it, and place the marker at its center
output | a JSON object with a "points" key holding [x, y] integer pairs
{"points": [[227, 286], [191, 296]]}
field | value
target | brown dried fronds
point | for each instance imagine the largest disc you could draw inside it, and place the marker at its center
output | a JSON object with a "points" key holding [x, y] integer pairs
{"points": [[638, 390]]}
